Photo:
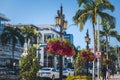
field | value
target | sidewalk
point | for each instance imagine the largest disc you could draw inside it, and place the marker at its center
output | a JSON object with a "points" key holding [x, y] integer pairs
{"points": [[115, 77]]}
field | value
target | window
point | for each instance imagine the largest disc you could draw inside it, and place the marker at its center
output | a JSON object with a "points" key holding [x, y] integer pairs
{"points": [[48, 36]]}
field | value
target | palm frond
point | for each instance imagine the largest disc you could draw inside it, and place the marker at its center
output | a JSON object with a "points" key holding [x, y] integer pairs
{"points": [[114, 34], [10, 33], [80, 2], [107, 17], [118, 38], [106, 5], [102, 33], [81, 17]]}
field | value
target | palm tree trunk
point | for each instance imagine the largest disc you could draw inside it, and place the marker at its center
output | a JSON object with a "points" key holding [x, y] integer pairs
{"points": [[107, 46], [93, 75]]}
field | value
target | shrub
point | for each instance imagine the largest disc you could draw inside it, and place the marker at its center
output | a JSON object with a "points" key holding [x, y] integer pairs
{"points": [[79, 77], [70, 78]]}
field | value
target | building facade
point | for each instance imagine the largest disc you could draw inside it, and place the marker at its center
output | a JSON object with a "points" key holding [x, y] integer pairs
{"points": [[47, 31], [3, 19], [6, 50]]}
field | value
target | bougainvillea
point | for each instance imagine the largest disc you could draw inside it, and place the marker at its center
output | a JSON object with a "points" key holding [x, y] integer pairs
{"points": [[57, 46], [87, 55]]}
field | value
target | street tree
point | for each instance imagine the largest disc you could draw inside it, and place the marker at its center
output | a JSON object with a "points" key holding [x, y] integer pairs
{"points": [[107, 32], [29, 64], [30, 33], [93, 9]]}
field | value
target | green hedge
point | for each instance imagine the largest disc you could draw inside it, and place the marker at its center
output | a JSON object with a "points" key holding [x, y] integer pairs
{"points": [[79, 77]]}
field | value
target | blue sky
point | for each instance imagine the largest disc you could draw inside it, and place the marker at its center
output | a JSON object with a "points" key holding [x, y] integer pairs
{"points": [[44, 12]]}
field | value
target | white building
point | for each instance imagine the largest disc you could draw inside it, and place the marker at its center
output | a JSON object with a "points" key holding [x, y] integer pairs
{"points": [[48, 32]]}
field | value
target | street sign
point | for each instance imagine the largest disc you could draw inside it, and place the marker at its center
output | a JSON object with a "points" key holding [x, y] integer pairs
{"points": [[43, 45], [98, 54]]}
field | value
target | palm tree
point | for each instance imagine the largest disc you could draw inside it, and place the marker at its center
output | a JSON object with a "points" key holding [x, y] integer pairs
{"points": [[92, 9], [11, 35], [107, 32], [30, 33], [39, 35]]}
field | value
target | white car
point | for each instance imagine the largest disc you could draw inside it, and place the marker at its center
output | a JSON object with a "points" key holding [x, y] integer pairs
{"points": [[68, 72], [51, 73]]}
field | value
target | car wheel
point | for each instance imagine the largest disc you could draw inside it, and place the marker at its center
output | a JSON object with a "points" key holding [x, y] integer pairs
{"points": [[53, 77], [73, 74], [69, 74]]}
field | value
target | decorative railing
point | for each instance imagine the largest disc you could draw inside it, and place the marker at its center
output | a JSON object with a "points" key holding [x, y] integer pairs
{"points": [[1, 27], [8, 48]]}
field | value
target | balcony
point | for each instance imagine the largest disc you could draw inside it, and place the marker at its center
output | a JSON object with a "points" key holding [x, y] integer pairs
{"points": [[6, 51]]}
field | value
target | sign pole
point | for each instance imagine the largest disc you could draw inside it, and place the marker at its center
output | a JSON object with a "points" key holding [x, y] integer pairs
{"points": [[98, 56], [98, 64]]}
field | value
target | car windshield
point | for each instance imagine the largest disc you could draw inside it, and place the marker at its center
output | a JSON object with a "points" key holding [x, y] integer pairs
{"points": [[46, 69]]}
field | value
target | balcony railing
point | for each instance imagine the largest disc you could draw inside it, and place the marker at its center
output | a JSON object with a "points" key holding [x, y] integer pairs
{"points": [[1, 27], [8, 48]]}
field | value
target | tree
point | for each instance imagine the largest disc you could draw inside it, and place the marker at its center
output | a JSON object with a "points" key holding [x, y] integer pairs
{"points": [[29, 64], [83, 56], [107, 32], [30, 33], [92, 9], [39, 35], [78, 64], [12, 35]]}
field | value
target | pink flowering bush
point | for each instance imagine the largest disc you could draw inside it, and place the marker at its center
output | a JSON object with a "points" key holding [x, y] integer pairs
{"points": [[87, 55], [57, 46]]}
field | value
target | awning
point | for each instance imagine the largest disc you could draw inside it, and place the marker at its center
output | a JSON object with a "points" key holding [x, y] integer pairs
{"points": [[2, 17]]}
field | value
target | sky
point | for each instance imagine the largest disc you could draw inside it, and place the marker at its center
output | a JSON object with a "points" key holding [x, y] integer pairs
{"points": [[45, 11]]}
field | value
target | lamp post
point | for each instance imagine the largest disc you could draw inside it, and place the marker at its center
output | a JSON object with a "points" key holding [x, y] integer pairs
{"points": [[87, 39], [38, 54], [60, 21]]}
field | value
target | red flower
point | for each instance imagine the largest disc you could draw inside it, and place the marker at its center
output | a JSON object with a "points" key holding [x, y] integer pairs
{"points": [[84, 54], [58, 47], [87, 55], [91, 57]]}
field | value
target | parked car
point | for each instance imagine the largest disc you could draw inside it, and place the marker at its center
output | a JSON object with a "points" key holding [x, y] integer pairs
{"points": [[68, 72], [46, 72]]}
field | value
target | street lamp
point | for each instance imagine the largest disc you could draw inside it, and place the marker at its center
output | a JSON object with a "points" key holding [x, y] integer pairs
{"points": [[60, 21], [87, 39], [38, 54]]}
